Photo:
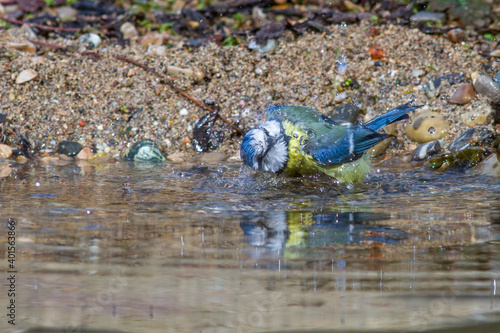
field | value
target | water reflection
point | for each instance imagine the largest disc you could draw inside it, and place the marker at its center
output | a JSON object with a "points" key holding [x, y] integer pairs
{"points": [[212, 249]]}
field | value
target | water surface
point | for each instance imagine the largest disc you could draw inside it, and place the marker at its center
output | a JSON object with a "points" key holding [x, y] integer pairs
{"points": [[189, 248]]}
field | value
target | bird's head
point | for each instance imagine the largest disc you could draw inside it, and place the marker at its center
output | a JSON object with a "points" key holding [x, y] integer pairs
{"points": [[265, 147]]}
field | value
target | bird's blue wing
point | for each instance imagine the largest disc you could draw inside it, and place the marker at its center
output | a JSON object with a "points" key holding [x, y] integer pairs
{"points": [[397, 114], [356, 141]]}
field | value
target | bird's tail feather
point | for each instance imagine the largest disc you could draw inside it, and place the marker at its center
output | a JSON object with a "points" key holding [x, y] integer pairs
{"points": [[399, 113]]}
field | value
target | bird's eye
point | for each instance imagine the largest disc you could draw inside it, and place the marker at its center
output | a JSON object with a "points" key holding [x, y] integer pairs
{"points": [[295, 135]]}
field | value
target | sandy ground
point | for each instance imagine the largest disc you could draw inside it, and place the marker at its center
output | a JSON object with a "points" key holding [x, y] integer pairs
{"points": [[108, 105]]}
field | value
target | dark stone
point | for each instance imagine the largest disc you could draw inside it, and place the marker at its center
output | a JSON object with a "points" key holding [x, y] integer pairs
{"points": [[345, 113], [69, 148]]}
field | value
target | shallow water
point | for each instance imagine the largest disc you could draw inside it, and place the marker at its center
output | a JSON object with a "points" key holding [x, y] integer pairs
{"points": [[184, 248]]}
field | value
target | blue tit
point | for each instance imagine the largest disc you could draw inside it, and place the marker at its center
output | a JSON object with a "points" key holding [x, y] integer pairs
{"points": [[299, 140]]}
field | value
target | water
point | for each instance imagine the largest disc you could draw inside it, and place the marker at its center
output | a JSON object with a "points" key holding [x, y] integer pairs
{"points": [[186, 248]]}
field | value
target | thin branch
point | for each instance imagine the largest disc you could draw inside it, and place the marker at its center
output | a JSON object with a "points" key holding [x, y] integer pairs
{"points": [[54, 46], [179, 91]]}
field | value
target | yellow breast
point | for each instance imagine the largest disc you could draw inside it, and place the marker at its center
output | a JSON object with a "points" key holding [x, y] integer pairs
{"points": [[300, 163]]}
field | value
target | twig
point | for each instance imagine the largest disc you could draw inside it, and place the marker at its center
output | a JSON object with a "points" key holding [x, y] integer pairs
{"points": [[179, 91], [54, 46], [40, 26]]}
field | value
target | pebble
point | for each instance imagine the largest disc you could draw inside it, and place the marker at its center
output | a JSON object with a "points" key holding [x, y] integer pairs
{"points": [[5, 151], [462, 142], [428, 126], [3, 118], [484, 85], [426, 150], [69, 148], [380, 147], [464, 159], [178, 157], [348, 112], [431, 90], [158, 50], [424, 16], [490, 166], [269, 47], [213, 158], [23, 47], [67, 13], [28, 32], [22, 159], [128, 30], [465, 94], [144, 151], [183, 112], [153, 39], [456, 35], [90, 39], [25, 76], [177, 71], [478, 116], [340, 97], [84, 154], [5, 171]]}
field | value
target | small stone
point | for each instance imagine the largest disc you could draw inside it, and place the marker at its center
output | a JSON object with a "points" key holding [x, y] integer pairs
{"points": [[23, 47], [340, 97], [489, 167], [67, 13], [235, 158], [28, 32], [5, 151], [128, 30], [25, 76], [30, 6], [144, 151], [90, 39], [22, 159], [5, 170], [485, 85], [158, 50], [348, 112], [153, 39], [495, 53], [456, 35], [462, 142], [424, 16], [269, 47], [185, 72], [352, 7], [380, 147], [177, 157], [38, 60], [183, 112], [84, 154], [213, 158], [465, 94], [428, 126], [69, 148], [3, 118], [479, 116], [426, 150]]}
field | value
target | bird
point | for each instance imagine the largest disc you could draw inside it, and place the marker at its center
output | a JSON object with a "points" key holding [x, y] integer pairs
{"points": [[299, 140]]}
